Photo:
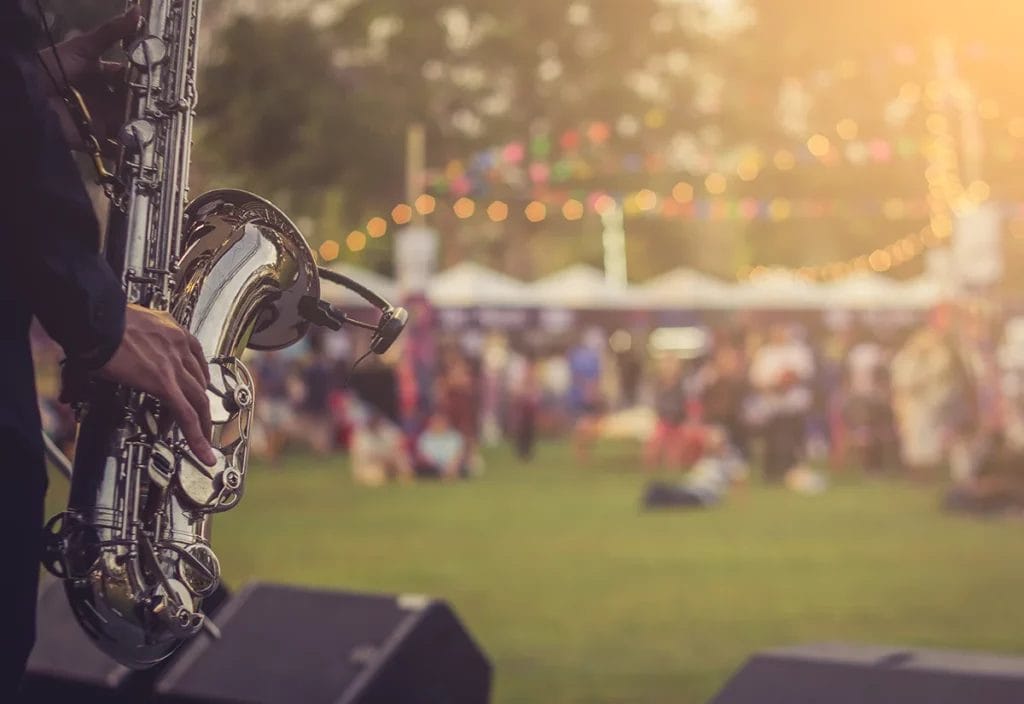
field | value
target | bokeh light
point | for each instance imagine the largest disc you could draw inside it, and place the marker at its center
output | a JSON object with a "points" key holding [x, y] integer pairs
{"points": [[572, 209], [682, 192], [784, 160], [497, 211], [818, 145], [464, 208], [356, 241], [329, 250], [715, 183], [425, 204], [376, 227], [536, 211], [401, 214]]}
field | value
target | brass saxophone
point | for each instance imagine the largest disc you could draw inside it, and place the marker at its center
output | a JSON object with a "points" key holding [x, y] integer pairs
{"points": [[133, 546]]}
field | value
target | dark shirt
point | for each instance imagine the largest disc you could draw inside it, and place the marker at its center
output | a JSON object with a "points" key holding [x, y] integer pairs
{"points": [[51, 268]]}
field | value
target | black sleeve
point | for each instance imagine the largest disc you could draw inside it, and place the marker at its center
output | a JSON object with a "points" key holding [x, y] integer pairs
{"points": [[51, 233]]}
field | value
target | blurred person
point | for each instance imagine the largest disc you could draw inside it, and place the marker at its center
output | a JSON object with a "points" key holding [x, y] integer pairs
{"points": [[932, 396], [555, 382], [440, 450], [55, 272], [780, 372], [997, 488], [585, 397], [273, 412], [492, 395], [524, 383], [719, 468], [378, 451], [723, 387], [419, 363], [665, 447], [458, 395], [315, 426], [867, 414]]}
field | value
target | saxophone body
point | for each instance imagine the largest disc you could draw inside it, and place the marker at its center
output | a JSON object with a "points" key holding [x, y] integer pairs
{"points": [[133, 546]]}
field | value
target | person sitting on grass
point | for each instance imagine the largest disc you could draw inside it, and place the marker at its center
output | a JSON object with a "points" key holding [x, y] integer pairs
{"points": [[440, 450], [719, 468], [378, 451]]}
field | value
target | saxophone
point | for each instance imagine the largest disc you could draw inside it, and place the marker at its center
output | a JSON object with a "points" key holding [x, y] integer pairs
{"points": [[133, 546]]}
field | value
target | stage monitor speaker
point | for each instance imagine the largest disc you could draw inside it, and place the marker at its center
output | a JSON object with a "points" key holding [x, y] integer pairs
{"points": [[284, 644], [65, 665], [857, 674]]}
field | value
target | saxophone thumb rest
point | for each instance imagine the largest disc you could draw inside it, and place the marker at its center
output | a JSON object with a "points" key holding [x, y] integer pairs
{"points": [[323, 314]]}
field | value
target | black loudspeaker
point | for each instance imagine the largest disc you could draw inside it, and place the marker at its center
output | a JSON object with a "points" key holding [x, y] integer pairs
{"points": [[65, 665], [285, 644], [857, 674]]}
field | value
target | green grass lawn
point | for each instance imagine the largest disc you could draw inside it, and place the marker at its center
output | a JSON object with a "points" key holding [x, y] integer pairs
{"points": [[577, 596]]}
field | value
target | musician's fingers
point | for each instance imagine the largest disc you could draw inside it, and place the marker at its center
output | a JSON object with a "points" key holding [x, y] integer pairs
{"points": [[112, 31], [195, 392], [200, 357], [112, 69], [190, 424]]}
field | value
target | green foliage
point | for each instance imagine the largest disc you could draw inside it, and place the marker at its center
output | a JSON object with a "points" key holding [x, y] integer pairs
{"points": [[297, 109]]}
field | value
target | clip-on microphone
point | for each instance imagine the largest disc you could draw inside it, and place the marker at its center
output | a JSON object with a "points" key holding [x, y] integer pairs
{"points": [[322, 313]]}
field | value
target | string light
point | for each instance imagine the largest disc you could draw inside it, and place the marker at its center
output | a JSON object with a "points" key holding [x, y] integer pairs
{"points": [[819, 145], [572, 209], [497, 211], [536, 211], [847, 129], [376, 227], [603, 204], [356, 241], [946, 194], [401, 214], [646, 199], [715, 183], [682, 192], [784, 160], [464, 208], [329, 250], [425, 204]]}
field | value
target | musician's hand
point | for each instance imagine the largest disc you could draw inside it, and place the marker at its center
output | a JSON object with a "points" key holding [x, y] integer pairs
{"points": [[97, 80], [160, 358]]}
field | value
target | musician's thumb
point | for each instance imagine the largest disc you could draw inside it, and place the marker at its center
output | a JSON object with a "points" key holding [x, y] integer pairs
{"points": [[112, 31]]}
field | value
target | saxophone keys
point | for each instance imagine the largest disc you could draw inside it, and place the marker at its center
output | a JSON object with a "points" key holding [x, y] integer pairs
{"points": [[148, 51]]}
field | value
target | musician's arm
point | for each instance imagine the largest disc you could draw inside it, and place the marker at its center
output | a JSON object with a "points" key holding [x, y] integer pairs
{"points": [[52, 256]]}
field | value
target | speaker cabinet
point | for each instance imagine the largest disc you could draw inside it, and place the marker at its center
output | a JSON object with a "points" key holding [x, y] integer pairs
{"points": [[855, 674], [65, 665], [284, 644]]}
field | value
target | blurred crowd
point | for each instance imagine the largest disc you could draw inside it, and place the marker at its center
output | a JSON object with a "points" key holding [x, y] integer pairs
{"points": [[784, 395]]}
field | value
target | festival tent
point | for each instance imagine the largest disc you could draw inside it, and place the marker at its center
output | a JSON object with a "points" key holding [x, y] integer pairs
{"points": [[341, 296], [775, 291], [923, 292], [866, 291], [685, 288], [468, 285], [581, 287]]}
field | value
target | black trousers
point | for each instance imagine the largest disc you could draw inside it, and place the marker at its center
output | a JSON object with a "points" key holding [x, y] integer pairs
{"points": [[785, 435], [21, 521]]}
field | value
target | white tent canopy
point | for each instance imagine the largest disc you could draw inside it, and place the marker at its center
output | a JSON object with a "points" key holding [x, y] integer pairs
{"points": [[923, 292], [581, 286], [470, 284], [775, 291], [685, 288], [866, 291]]}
